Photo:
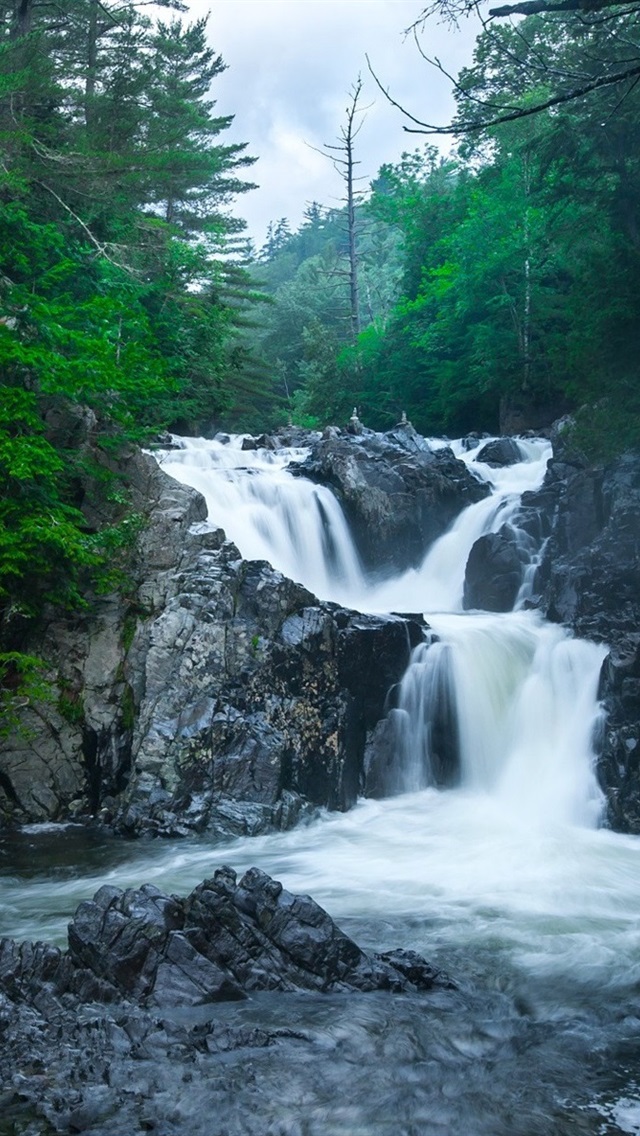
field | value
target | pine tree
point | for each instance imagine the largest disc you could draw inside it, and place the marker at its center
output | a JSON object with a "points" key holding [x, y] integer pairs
{"points": [[191, 176]]}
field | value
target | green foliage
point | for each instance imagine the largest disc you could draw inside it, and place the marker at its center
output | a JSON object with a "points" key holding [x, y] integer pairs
{"points": [[42, 544], [22, 681], [607, 428], [70, 705], [510, 272], [122, 289]]}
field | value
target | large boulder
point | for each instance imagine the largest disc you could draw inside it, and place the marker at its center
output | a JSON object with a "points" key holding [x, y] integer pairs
{"points": [[154, 1020], [590, 575], [398, 494], [247, 718], [500, 452], [494, 571]]}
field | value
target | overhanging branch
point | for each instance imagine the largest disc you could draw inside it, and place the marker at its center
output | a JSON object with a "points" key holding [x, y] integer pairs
{"points": [[469, 126], [541, 7]]}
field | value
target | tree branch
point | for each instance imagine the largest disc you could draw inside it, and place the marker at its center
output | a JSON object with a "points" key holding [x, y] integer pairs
{"points": [[525, 112], [102, 249], [537, 7]]}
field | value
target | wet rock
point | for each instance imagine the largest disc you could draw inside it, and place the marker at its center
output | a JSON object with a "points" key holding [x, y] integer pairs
{"points": [[619, 743], [285, 700], [381, 758], [218, 696], [407, 437], [110, 1034], [400, 757], [260, 442], [470, 441], [494, 571], [590, 575], [227, 938], [500, 452], [398, 495], [589, 579]]}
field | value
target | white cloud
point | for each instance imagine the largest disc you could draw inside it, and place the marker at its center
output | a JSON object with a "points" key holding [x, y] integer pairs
{"points": [[291, 65]]}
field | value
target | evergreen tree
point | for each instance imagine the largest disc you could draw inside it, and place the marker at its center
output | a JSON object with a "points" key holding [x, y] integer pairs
{"points": [[118, 297]]}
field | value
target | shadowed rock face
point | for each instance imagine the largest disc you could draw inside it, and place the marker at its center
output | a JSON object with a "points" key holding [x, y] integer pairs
{"points": [[399, 496], [619, 744], [494, 572], [500, 452], [589, 579]]}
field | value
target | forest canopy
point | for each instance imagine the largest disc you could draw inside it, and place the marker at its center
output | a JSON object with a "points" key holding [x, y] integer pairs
{"points": [[496, 288], [500, 285]]}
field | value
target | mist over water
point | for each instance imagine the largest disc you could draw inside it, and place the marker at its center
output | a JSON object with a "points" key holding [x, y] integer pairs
{"points": [[506, 879]]}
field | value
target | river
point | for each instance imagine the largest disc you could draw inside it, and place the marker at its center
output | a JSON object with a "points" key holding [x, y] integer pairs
{"points": [[506, 880]]}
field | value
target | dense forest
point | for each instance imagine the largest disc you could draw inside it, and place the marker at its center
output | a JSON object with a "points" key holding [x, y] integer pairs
{"points": [[497, 284], [494, 285]]}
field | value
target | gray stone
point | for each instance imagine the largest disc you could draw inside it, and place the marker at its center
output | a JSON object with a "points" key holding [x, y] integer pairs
{"points": [[399, 495], [218, 695]]}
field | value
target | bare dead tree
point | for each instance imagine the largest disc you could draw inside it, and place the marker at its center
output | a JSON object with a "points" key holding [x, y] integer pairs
{"points": [[342, 155]]}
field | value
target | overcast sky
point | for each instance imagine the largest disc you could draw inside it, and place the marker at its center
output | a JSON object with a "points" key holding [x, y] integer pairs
{"points": [[291, 65]]}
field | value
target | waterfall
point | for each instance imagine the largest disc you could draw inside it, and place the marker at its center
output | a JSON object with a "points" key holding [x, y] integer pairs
{"points": [[487, 860], [425, 721], [271, 515], [526, 708], [301, 530], [500, 704]]}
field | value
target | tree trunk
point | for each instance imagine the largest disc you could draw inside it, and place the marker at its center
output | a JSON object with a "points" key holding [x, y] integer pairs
{"points": [[22, 17], [346, 168], [92, 62], [354, 299], [526, 316]]}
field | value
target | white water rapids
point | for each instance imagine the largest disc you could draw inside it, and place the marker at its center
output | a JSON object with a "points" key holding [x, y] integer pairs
{"points": [[301, 530], [509, 869]]}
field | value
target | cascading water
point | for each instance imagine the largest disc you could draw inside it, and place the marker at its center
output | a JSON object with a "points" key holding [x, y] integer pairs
{"points": [[504, 878], [519, 695], [525, 695], [298, 527], [301, 530]]}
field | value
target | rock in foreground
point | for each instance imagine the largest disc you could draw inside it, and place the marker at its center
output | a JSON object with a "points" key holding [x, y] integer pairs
{"points": [[225, 940], [125, 1031]]}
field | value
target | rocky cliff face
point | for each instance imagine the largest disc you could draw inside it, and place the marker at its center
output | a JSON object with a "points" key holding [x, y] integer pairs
{"points": [[586, 523], [216, 695], [590, 579]]}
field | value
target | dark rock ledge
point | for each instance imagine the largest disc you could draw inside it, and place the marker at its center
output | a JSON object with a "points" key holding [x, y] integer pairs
{"points": [[224, 940], [141, 980], [398, 495]]}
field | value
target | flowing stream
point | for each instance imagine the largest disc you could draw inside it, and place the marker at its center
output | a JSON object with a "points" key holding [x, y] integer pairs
{"points": [[505, 880]]}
